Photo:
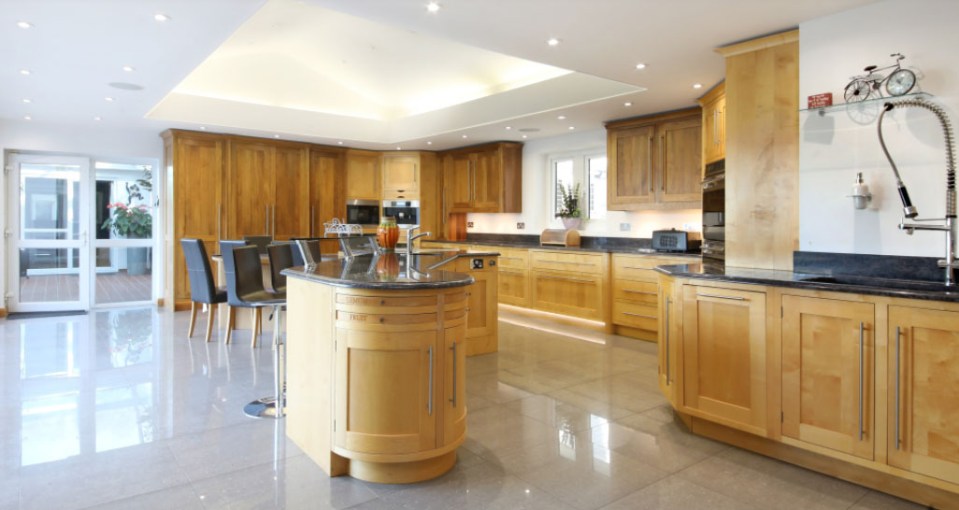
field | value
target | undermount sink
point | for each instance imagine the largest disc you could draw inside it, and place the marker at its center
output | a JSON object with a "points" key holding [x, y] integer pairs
{"points": [[884, 283]]}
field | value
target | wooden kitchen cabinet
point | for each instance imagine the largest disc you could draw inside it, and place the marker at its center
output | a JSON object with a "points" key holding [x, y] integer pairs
{"points": [[635, 290], [363, 175], [513, 275], [655, 162], [268, 189], [570, 283], [482, 333], [669, 332], [327, 192], [484, 178], [724, 356], [923, 387], [401, 176], [714, 123], [828, 373], [195, 165]]}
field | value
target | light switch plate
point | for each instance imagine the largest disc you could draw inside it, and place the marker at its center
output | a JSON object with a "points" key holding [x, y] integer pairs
{"points": [[624, 227]]}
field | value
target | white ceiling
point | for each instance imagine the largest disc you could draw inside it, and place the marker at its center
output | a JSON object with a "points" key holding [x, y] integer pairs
{"points": [[372, 73]]}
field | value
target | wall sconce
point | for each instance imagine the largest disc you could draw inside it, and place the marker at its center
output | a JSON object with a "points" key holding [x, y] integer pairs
{"points": [[860, 193]]}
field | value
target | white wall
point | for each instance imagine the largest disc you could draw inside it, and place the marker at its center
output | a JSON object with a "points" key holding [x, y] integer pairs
{"points": [[537, 190], [834, 147], [99, 143]]}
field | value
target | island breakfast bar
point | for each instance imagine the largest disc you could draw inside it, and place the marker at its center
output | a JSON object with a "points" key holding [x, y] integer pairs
{"points": [[376, 375]]}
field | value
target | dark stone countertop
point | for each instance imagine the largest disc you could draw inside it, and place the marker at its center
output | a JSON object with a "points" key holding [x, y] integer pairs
{"points": [[638, 249], [388, 271], [907, 289]]}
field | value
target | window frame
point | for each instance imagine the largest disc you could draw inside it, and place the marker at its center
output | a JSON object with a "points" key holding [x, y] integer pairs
{"points": [[580, 159]]}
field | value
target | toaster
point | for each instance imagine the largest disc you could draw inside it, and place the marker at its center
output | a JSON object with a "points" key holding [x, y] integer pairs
{"points": [[675, 241]]}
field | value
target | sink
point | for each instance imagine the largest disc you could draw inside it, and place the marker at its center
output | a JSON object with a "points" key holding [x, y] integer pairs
{"points": [[883, 283]]}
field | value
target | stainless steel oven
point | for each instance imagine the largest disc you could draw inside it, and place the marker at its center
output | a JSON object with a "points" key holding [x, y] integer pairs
{"points": [[406, 212], [363, 212], [714, 211]]}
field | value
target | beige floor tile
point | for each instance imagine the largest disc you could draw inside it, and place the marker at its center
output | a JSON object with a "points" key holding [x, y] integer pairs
{"points": [[618, 393], [879, 501], [491, 388], [666, 446], [677, 494], [500, 430]]}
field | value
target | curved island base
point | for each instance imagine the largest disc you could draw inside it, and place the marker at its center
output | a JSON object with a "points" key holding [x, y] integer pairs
{"points": [[376, 377]]}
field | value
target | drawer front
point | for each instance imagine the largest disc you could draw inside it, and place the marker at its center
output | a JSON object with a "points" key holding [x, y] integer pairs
{"points": [[636, 291], [640, 316], [516, 258], [513, 287], [590, 263], [641, 267], [580, 295]]}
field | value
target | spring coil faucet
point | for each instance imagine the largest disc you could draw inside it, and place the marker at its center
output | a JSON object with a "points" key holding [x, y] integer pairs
{"points": [[909, 211]]}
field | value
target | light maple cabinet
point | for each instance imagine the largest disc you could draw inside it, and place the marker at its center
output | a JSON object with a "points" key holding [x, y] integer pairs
{"points": [[484, 178], [635, 290], [482, 333], [724, 356], [714, 123], [670, 340], [923, 402], [570, 283], [401, 176], [363, 174], [513, 274], [195, 165], [268, 189], [655, 162], [828, 373]]}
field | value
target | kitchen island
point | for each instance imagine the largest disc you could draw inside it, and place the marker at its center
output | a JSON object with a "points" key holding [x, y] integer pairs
{"points": [[376, 377]]}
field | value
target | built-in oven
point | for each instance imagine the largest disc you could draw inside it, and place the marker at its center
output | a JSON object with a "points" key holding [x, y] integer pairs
{"points": [[363, 212], [714, 211], [406, 212]]}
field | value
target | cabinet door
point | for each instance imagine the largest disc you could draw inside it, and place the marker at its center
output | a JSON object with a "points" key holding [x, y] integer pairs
{"points": [[290, 216], [482, 325], [454, 385], [714, 130], [459, 186], [384, 401], [724, 356], [513, 286], [327, 200], [828, 373], [630, 173], [680, 161], [669, 330], [487, 181], [579, 295], [251, 189], [363, 175], [401, 177], [924, 391]]}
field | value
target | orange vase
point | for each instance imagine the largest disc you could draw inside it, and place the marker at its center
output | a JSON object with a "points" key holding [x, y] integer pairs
{"points": [[388, 267], [388, 233]]}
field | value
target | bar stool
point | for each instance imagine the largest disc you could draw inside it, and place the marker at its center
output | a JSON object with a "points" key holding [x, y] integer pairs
{"points": [[226, 246], [202, 288], [281, 257], [245, 285], [261, 242], [309, 251]]}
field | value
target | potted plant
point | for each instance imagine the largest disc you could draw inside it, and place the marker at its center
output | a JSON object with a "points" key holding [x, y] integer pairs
{"points": [[131, 221], [569, 210]]}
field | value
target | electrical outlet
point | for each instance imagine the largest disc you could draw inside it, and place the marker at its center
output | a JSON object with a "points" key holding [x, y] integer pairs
{"points": [[469, 224], [624, 227], [520, 226]]}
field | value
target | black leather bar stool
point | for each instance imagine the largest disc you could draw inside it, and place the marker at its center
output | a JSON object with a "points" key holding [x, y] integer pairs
{"points": [[281, 257], [261, 242], [226, 246], [202, 288], [245, 287], [309, 251]]}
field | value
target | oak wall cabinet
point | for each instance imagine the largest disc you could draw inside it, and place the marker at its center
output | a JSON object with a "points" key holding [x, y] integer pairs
{"points": [[363, 175], [714, 123], [401, 176], [484, 178], [655, 162]]}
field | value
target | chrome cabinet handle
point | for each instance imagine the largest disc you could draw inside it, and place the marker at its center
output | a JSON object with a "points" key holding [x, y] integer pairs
{"points": [[862, 328], [453, 400], [666, 325], [898, 336], [631, 314], [732, 298], [429, 401]]}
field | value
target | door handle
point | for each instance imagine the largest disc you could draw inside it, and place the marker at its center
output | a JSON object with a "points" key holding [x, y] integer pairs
{"points": [[861, 334], [429, 401], [453, 400], [666, 325], [898, 436], [717, 296]]}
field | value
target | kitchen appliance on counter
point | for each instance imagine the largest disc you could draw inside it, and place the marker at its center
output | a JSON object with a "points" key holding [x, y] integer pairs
{"points": [[406, 212], [714, 211], [677, 241], [559, 237], [363, 212]]}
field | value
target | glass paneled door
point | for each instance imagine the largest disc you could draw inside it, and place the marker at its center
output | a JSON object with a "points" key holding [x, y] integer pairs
{"points": [[49, 225]]}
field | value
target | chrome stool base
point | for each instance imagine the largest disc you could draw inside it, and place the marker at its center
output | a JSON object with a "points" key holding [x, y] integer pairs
{"points": [[262, 408], [267, 407]]}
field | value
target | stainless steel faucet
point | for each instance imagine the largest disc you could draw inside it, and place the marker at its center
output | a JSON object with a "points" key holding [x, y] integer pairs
{"points": [[410, 237]]}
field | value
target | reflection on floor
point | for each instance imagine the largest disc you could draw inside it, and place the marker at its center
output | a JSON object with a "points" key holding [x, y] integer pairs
{"points": [[117, 409], [118, 287]]}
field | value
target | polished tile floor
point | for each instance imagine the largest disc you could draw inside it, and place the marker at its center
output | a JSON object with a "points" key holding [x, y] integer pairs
{"points": [[118, 409]]}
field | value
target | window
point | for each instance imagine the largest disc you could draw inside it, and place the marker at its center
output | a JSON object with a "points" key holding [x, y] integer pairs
{"points": [[588, 169]]}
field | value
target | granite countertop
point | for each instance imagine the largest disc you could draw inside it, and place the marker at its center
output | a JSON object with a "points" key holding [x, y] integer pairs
{"points": [[631, 250], [389, 271], [908, 289]]}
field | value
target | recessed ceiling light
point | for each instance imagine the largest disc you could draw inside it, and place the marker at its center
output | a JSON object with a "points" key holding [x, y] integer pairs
{"points": [[124, 85], [25, 72], [276, 136], [399, 148], [24, 24], [26, 100], [129, 69], [161, 17], [572, 128], [464, 136], [27, 117], [433, 7], [627, 104], [561, 117], [552, 41], [697, 85], [429, 142], [98, 118], [524, 136], [640, 66], [339, 143], [202, 128], [108, 99]]}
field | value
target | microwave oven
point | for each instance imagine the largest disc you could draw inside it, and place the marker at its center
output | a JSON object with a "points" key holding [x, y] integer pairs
{"points": [[363, 212]]}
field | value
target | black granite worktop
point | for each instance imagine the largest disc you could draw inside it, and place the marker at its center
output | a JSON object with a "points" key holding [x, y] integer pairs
{"points": [[388, 271], [629, 245], [849, 283]]}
